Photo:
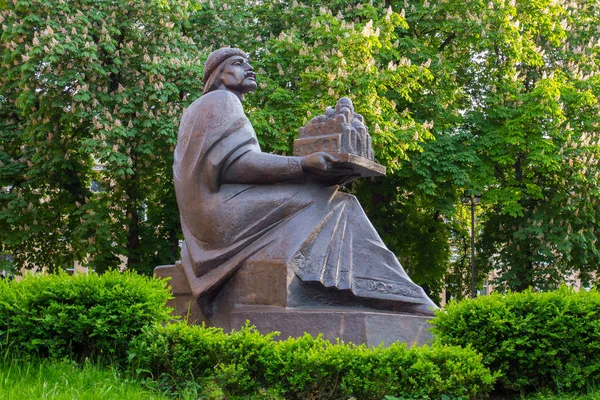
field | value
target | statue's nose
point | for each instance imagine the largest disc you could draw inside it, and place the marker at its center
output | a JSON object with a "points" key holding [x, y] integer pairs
{"points": [[249, 67]]}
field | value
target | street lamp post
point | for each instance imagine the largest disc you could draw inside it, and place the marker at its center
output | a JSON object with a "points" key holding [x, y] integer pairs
{"points": [[472, 199]]}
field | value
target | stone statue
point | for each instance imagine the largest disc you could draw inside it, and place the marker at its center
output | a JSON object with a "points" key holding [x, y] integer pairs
{"points": [[239, 204]]}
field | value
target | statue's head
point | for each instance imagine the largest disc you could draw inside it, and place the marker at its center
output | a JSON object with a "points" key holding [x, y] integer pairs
{"points": [[228, 68]]}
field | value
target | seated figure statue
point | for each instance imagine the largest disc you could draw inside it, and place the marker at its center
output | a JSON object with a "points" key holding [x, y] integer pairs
{"points": [[236, 201]]}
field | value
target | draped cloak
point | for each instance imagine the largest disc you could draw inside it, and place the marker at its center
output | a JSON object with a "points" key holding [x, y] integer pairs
{"points": [[322, 234]]}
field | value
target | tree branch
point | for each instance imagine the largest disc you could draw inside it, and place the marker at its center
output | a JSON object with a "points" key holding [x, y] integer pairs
{"points": [[446, 42]]}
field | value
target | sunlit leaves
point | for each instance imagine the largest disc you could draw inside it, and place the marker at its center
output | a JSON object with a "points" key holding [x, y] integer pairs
{"points": [[499, 97], [91, 84], [538, 135]]}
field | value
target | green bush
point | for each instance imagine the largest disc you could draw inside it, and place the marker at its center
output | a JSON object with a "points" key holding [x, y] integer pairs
{"points": [[179, 353], [314, 368], [536, 341], [79, 316], [245, 362]]}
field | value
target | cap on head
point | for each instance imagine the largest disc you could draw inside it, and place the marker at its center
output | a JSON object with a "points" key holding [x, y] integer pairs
{"points": [[215, 59]]}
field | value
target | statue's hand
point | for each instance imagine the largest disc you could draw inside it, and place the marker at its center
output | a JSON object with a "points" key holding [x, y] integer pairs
{"points": [[318, 162], [323, 166]]}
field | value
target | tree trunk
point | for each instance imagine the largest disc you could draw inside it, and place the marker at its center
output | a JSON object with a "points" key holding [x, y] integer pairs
{"points": [[133, 237]]}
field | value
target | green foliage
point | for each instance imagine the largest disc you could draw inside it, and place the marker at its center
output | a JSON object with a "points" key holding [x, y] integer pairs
{"points": [[314, 368], [514, 103], [85, 83], [79, 316], [178, 353], [536, 128], [245, 362], [536, 341], [591, 394], [499, 97]]}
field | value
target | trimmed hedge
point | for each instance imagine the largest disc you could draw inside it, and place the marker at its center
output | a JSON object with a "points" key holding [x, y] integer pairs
{"points": [[120, 318], [79, 316], [536, 341], [246, 362], [180, 353]]}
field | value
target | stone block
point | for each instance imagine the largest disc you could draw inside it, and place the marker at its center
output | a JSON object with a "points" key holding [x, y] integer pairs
{"points": [[351, 326], [183, 302], [260, 293]]}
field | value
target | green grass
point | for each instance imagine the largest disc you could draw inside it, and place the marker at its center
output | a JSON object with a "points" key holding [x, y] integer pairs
{"points": [[591, 395], [43, 379], [57, 380]]}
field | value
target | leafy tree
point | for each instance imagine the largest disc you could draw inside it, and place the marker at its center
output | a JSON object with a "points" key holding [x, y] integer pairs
{"points": [[534, 123], [496, 96], [86, 83], [516, 88]]}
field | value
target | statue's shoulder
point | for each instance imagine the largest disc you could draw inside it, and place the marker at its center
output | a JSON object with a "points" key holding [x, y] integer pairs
{"points": [[217, 100], [220, 96]]}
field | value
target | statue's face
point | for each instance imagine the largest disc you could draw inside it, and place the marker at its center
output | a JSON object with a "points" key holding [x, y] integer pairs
{"points": [[238, 75]]}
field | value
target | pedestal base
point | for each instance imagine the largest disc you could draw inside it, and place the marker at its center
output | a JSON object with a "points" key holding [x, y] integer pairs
{"points": [[183, 303], [261, 292], [357, 326]]}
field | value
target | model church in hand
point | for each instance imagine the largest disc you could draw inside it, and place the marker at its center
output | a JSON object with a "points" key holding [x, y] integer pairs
{"points": [[342, 133]]}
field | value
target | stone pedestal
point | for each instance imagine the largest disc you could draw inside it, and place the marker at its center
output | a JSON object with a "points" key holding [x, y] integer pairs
{"points": [[356, 326], [272, 298], [184, 304]]}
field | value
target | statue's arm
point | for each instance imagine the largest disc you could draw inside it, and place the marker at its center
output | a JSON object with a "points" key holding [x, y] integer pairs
{"points": [[259, 167]]}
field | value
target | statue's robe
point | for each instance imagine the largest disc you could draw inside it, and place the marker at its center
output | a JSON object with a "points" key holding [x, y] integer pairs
{"points": [[318, 231]]}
